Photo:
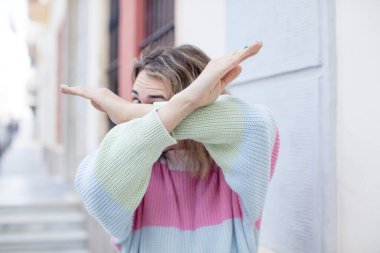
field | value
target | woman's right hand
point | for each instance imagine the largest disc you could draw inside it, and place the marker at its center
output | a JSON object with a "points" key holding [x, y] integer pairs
{"points": [[118, 109]]}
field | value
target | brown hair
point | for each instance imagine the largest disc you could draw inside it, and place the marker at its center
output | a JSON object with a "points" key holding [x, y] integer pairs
{"points": [[178, 67]]}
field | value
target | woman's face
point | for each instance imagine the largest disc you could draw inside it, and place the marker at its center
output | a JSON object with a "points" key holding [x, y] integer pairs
{"points": [[147, 89]]}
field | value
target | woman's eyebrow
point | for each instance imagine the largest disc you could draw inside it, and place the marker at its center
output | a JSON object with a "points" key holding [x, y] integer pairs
{"points": [[156, 96], [151, 96]]}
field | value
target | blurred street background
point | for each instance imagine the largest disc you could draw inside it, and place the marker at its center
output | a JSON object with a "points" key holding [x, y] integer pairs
{"points": [[318, 71]]}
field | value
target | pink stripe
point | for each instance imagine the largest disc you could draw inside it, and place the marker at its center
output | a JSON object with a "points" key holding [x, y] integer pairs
{"points": [[116, 245], [275, 153], [258, 222], [174, 199]]}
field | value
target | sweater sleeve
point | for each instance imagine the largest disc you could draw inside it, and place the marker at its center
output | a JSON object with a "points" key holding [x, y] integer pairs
{"points": [[113, 179], [243, 140]]}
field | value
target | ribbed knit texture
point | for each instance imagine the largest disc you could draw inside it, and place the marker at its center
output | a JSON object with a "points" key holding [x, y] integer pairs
{"points": [[148, 207]]}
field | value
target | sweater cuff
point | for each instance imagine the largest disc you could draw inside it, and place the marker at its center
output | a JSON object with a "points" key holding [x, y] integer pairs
{"points": [[154, 127]]}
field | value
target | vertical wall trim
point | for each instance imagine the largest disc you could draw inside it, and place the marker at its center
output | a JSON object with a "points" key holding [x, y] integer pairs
{"points": [[131, 32], [328, 96]]}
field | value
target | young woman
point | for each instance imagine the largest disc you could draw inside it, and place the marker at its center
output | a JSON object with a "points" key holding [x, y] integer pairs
{"points": [[186, 168]]}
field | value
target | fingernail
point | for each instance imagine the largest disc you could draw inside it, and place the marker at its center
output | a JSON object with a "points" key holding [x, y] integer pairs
{"points": [[245, 47]]}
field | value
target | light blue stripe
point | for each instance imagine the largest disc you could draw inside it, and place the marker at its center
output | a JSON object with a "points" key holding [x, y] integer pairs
{"points": [[115, 219], [250, 172], [231, 236]]}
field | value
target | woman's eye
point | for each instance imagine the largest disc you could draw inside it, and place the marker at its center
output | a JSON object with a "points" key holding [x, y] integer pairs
{"points": [[136, 101]]}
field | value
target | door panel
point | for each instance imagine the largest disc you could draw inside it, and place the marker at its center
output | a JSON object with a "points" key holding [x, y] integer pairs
{"points": [[289, 29], [292, 210], [291, 75]]}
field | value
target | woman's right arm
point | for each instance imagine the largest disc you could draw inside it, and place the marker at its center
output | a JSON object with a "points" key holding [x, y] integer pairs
{"points": [[113, 179]]}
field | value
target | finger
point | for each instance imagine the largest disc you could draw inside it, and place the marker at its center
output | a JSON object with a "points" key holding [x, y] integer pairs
{"points": [[234, 59], [253, 50], [68, 90], [76, 91], [231, 75], [247, 52], [64, 89]]}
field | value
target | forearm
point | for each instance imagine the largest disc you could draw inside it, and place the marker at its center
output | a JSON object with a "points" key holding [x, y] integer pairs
{"points": [[218, 123], [171, 114], [175, 110], [131, 111]]}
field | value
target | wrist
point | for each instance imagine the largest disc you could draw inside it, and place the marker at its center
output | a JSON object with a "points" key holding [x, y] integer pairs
{"points": [[132, 111], [175, 110], [184, 101]]}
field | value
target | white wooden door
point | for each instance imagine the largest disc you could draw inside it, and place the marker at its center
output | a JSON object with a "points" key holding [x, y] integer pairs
{"points": [[292, 75]]}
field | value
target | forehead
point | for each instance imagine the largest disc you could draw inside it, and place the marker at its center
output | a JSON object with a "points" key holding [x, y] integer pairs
{"points": [[146, 84]]}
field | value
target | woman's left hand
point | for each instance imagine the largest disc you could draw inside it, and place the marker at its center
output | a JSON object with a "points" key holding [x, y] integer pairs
{"points": [[206, 88], [217, 75]]}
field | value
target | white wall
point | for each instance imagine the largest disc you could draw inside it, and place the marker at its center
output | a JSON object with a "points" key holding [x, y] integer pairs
{"points": [[292, 75], [47, 43], [358, 125], [86, 60], [201, 23], [97, 67]]}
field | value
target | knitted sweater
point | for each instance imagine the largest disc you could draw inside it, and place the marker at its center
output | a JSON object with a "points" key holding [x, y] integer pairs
{"points": [[146, 206]]}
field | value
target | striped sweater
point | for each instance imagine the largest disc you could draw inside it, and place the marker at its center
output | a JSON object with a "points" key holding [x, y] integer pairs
{"points": [[147, 206]]}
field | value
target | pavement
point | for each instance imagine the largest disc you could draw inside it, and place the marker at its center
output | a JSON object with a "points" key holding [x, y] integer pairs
{"points": [[39, 213], [24, 176]]}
